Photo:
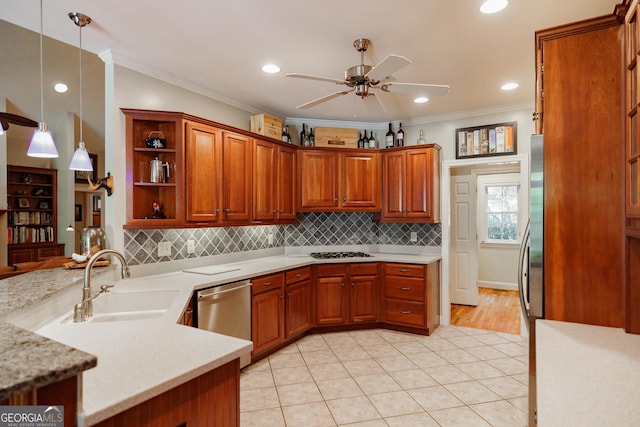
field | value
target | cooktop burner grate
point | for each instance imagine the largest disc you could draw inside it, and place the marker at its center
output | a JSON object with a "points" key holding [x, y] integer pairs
{"points": [[325, 255]]}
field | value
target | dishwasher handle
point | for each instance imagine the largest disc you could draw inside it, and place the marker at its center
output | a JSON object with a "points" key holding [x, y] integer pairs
{"points": [[214, 292]]}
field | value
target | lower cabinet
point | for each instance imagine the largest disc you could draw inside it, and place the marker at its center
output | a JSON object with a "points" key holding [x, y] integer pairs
{"points": [[346, 293], [298, 297], [412, 295], [19, 253]]}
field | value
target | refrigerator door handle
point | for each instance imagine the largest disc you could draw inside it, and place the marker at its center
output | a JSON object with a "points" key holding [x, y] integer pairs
{"points": [[522, 272]]}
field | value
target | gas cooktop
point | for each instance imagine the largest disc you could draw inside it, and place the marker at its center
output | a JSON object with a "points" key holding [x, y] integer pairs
{"points": [[324, 255]]}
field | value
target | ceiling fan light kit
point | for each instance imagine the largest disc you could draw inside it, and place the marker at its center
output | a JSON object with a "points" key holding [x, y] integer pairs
{"points": [[42, 144], [366, 80]]}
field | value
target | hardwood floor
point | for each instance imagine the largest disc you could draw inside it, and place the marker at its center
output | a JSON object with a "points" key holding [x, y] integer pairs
{"points": [[497, 310]]}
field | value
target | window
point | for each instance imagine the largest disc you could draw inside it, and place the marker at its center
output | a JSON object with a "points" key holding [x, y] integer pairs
{"points": [[499, 207]]}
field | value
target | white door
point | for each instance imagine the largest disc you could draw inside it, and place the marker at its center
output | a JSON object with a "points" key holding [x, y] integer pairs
{"points": [[464, 271]]}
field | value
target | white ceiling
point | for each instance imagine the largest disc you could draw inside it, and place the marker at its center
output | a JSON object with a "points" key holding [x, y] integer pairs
{"points": [[217, 47]]}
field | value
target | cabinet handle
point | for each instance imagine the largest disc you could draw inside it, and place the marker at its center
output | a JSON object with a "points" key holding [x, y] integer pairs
{"points": [[281, 296], [405, 289], [274, 211], [281, 211], [335, 200], [405, 312], [404, 270], [344, 199], [289, 295], [353, 284], [217, 210], [227, 210], [266, 283], [298, 275], [342, 284]]}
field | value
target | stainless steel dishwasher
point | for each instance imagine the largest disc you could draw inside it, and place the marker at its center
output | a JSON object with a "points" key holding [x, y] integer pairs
{"points": [[226, 309]]}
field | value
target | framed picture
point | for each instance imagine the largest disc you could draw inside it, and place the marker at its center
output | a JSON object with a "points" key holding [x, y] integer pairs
{"points": [[23, 203], [498, 139], [81, 176], [78, 213], [44, 204]]}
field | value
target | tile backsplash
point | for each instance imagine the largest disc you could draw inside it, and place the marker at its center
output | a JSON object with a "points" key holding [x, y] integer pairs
{"points": [[313, 229]]}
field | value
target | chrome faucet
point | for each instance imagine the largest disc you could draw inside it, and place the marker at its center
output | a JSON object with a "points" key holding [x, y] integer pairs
{"points": [[84, 309]]}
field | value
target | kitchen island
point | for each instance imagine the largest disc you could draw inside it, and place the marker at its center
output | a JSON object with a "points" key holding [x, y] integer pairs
{"points": [[142, 359]]}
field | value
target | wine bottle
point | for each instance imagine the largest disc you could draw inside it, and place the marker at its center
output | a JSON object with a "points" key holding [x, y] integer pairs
{"points": [[421, 140], [288, 134], [400, 137], [360, 142], [284, 134], [372, 141], [390, 137], [312, 138], [304, 139]]}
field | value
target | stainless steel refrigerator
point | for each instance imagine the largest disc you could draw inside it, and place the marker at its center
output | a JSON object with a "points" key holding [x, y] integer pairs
{"points": [[531, 276]]}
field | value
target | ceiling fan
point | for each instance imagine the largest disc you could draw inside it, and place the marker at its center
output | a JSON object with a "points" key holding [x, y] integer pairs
{"points": [[6, 118], [366, 80]]}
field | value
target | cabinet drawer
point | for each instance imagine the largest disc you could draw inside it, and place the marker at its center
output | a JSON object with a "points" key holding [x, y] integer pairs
{"points": [[330, 270], [266, 283], [363, 269], [293, 276], [404, 312], [411, 270], [406, 288]]}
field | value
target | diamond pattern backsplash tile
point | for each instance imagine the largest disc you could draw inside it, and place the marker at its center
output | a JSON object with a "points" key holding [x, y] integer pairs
{"points": [[313, 229]]}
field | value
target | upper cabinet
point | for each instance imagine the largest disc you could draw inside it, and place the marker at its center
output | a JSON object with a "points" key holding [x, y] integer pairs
{"points": [[236, 177], [411, 185], [274, 169], [338, 180], [203, 153]]}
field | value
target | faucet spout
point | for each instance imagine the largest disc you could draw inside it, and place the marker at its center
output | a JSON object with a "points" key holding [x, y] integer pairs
{"points": [[85, 308]]}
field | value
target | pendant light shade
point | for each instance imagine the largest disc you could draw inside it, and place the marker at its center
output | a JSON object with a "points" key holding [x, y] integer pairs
{"points": [[80, 160], [42, 144]]}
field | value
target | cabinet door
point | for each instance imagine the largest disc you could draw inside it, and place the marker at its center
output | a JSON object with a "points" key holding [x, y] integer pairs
{"points": [[393, 183], [363, 300], [419, 185], [203, 160], [236, 181], [319, 179], [361, 180], [267, 320], [264, 182], [298, 308], [285, 187], [331, 301]]}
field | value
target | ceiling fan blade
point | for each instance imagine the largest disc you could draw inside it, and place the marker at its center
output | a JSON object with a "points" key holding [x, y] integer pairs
{"points": [[387, 66], [322, 79], [18, 120], [4, 124], [323, 99], [379, 96], [416, 88]]}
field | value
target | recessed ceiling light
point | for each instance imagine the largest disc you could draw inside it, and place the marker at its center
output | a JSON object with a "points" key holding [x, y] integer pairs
{"points": [[271, 68], [60, 87], [493, 6], [421, 100], [509, 86]]}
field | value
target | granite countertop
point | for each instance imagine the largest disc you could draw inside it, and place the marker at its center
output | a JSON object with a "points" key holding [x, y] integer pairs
{"points": [[138, 359]]}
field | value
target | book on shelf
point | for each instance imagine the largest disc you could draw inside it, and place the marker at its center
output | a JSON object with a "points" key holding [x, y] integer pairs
{"points": [[500, 139]]}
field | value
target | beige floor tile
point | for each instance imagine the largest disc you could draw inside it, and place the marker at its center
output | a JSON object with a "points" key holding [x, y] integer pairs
{"points": [[368, 337], [258, 398], [396, 363], [346, 354], [438, 344], [433, 398], [466, 342], [471, 331], [260, 365], [414, 420], [363, 367], [512, 349], [308, 415], [509, 365], [319, 357], [479, 370], [458, 417], [486, 352], [286, 360], [295, 394], [352, 409], [512, 337], [372, 423], [521, 403], [396, 336], [265, 417], [339, 388], [445, 331], [410, 347], [523, 378], [340, 340], [328, 371], [472, 392], [427, 359], [256, 379], [491, 339], [501, 414], [524, 358], [377, 383], [505, 387], [447, 374], [312, 343], [381, 350], [395, 403], [295, 375], [456, 356], [413, 378]]}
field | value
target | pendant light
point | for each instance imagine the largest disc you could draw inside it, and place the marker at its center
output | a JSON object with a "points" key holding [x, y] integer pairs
{"points": [[80, 160], [42, 144]]}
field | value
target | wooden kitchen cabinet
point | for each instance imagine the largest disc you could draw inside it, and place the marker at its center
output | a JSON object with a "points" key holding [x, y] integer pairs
{"points": [[411, 296], [411, 185], [267, 312], [346, 294], [298, 298], [339, 180], [274, 169], [237, 168]]}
